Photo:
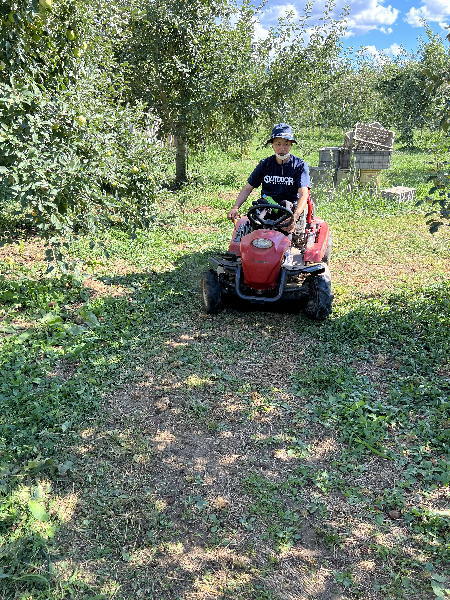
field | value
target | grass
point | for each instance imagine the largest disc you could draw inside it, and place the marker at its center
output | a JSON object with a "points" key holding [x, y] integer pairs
{"points": [[150, 451]]}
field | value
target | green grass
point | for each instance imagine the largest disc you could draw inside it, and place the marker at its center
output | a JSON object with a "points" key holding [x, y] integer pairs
{"points": [[150, 451]]}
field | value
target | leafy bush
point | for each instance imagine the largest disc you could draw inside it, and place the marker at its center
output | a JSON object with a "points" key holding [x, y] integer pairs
{"points": [[73, 152]]}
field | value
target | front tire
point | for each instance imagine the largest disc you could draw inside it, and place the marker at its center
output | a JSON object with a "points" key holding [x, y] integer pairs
{"points": [[319, 298], [211, 292]]}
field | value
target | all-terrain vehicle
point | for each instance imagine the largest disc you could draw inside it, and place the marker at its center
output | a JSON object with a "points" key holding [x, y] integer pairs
{"points": [[264, 265]]}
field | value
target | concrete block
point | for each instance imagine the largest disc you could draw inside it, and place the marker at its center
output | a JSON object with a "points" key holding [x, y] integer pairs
{"points": [[322, 177], [399, 193]]}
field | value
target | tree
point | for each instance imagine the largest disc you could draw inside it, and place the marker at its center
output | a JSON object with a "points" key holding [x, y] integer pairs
{"points": [[68, 135], [351, 95], [197, 66], [438, 84], [409, 99], [193, 66], [301, 67]]}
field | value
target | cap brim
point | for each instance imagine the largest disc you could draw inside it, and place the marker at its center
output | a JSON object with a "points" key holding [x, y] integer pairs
{"points": [[270, 140]]}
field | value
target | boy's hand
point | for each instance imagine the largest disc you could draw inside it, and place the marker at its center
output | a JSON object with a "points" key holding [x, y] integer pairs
{"points": [[232, 215], [291, 227]]}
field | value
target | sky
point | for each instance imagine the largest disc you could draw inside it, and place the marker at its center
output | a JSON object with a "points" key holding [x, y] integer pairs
{"points": [[377, 28]]}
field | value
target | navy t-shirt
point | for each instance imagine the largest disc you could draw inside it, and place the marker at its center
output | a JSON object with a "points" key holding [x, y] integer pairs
{"points": [[281, 182]]}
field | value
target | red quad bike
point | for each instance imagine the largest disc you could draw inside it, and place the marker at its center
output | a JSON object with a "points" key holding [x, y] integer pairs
{"points": [[263, 266]]}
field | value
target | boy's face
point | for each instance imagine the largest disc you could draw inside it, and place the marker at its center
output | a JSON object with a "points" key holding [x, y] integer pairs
{"points": [[281, 146]]}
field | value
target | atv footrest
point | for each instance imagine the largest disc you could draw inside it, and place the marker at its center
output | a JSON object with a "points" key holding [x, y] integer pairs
{"points": [[226, 261], [306, 270]]}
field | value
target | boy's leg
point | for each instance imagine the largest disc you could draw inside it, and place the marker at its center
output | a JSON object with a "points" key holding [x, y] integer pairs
{"points": [[298, 235]]}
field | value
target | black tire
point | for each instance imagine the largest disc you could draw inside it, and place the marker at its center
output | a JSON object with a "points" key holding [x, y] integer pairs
{"points": [[327, 255], [211, 292], [319, 300]]}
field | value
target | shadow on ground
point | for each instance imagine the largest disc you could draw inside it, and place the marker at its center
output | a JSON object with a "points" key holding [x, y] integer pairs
{"points": [[218, 464]]}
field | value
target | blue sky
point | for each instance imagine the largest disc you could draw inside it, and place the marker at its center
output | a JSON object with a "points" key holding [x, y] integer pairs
{"points": [[380, 27]]}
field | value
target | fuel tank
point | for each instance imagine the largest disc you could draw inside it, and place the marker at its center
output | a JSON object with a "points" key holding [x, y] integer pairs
{"points": [[261, 265]]}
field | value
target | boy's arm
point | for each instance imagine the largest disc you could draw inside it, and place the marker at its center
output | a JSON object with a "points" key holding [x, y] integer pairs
{"points": [[242, 197], [302, 202]]}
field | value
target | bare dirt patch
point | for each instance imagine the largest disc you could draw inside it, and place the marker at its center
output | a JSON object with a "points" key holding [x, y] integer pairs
{"points": [[192, 489], [23, 253], [100, 289]]}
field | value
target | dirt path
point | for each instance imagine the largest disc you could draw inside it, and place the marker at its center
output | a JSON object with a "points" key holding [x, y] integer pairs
{"points": [[191, 485]]}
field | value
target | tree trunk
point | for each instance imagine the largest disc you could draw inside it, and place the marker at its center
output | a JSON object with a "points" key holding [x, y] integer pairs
{"points": [[180, 159]]}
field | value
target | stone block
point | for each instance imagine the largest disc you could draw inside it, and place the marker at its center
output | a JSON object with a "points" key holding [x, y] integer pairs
{"points": [[399, 193], [322, 177]]}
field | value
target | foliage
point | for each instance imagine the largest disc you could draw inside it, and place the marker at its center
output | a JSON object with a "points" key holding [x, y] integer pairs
{"points": [[439, 198], [192, 65], [438, 85], [410, 102], [73, 152], [198, 68], [301, 66], [352, 96]]}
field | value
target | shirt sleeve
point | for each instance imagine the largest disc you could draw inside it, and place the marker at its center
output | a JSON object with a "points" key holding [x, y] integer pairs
{"points": [[304, 177], [256, 177]]}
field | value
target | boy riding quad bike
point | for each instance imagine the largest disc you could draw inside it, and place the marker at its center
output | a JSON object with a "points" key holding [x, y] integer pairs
{"points": [[262, 266], [280, 250]]}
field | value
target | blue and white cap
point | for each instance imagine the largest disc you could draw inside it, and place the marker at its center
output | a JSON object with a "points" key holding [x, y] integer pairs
{"points": [[282, 130]]}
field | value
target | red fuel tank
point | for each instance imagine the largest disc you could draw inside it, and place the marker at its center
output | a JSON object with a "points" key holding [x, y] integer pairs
{"points": [[261, 260]]}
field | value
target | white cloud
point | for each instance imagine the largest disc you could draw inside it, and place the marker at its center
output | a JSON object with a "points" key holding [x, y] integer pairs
{"points": [[380, 56], [364, 15], [371, 51], [394, 50], [373, 15], [280, 11], [435, 11], [259, 32]]}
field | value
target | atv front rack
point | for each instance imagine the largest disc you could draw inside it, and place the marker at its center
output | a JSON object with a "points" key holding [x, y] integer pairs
{"points": [[231, 264], [282, 283]]}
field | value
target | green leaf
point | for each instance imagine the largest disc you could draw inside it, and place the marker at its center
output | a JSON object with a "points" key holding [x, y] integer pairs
{"points": [[439, 590], [38, 511], [89, 317], [51, 318], [23, 337], [65, 466], [437, 577], [34, 577]]}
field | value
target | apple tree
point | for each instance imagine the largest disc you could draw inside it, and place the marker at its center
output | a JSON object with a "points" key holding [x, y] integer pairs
{"points": [[411, 103], [73, 151], [194, 63]]}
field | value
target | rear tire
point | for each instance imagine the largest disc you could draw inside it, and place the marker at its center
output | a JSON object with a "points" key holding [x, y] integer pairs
{"points": [[327, 255], [211, 292], [320, 298]]}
